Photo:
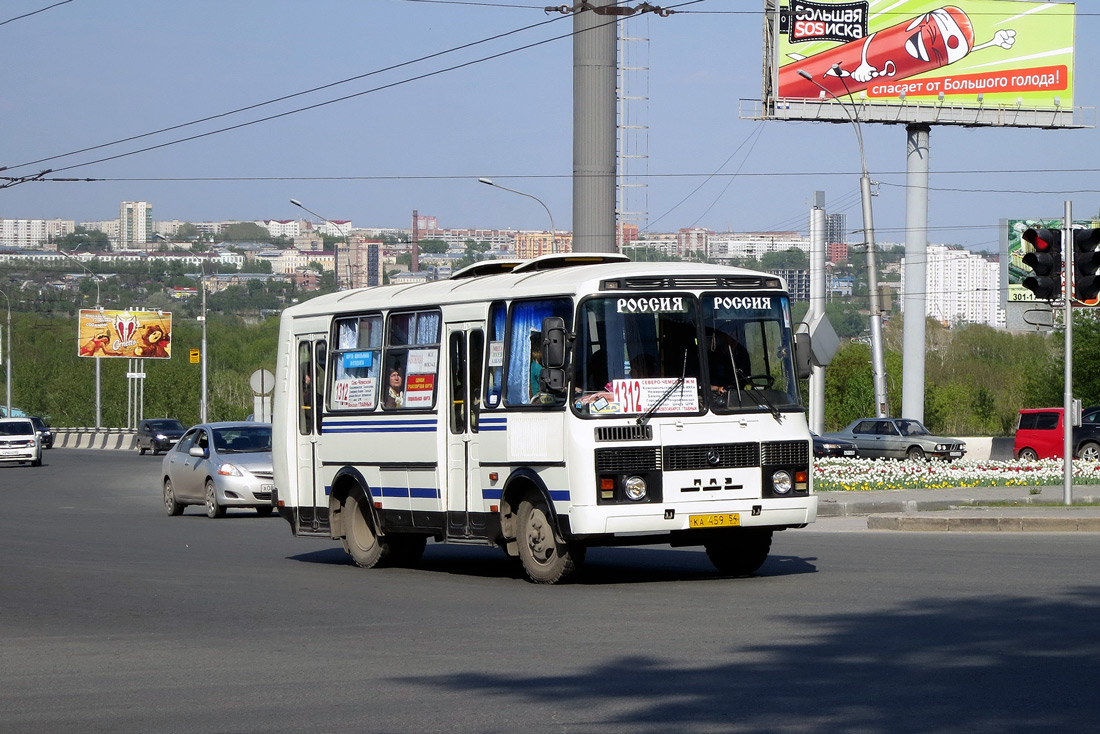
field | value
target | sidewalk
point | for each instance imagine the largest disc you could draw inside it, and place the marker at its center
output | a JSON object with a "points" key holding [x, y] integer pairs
{"points": [[970, 509]]}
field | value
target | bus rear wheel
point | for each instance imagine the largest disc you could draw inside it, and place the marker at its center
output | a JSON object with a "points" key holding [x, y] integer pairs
{"points": [[546, 558], [360, 540], [739, 552]]}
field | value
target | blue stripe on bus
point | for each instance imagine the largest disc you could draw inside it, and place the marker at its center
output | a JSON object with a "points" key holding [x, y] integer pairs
{"points": [[423, 493], [557, 495]]}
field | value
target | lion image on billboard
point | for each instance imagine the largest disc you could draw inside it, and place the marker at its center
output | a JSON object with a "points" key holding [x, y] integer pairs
{"points": [[141, 334], [970, 52]]}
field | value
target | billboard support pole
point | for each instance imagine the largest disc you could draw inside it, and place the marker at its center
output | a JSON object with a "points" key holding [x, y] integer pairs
{"points": [[817, 307], [878, 360], [1067, 397], [916, 270]]}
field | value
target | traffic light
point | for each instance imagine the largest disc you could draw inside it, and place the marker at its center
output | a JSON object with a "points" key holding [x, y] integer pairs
{"points": [[1046, 260], [1086, 260]]}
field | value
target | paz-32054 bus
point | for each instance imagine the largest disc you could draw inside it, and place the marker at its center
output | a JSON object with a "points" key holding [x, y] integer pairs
{"points": [[545, 407]]}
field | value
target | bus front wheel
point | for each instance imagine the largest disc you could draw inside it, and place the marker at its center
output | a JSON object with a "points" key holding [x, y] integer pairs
{"points": [[360, 541], [546, 559], [739, 552]]}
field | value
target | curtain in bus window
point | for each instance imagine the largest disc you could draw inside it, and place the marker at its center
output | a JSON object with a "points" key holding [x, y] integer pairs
{"points": [[427, 328], [526, 320]]}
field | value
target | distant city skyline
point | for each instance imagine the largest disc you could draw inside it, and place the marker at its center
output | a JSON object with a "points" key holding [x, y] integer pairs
{"points": [[129, 67]]}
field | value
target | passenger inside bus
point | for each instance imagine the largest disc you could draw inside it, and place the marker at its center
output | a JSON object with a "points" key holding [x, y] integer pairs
{"points": [[394, 383]]}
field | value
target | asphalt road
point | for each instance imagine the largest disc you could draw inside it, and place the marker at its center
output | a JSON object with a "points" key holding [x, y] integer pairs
{"points": [[115, 617]]}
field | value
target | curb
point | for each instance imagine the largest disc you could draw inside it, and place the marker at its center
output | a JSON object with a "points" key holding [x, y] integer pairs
{"points": [[845, 509], [998, 524]]}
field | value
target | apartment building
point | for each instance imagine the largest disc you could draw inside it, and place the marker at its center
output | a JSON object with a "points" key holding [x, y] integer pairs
{"points": [[961, 288], [135, 225], [33, 233]]}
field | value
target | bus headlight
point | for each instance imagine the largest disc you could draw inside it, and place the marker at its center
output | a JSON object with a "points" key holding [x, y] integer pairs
{"points": [[782, 482], [634, 489]]}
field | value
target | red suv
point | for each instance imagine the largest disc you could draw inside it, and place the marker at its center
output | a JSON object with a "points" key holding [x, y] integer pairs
{"points": [[1040, 432]]}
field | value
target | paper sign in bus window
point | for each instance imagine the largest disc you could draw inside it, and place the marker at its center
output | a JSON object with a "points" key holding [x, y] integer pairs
{"points": [[356, 393], [638, 396]]}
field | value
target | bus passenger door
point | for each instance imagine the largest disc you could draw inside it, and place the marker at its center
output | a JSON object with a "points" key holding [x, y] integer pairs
{"points": [[312, 498], [465, 355]]}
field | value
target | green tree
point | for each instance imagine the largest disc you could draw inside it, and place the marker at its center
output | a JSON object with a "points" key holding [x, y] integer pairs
{"points": [[91, 240], [243, 232], [791, 259], [432, 247]]}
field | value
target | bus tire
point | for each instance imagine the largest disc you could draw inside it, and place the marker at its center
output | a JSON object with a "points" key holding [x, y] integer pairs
{"points": [[361, 541], [546, 558], [739, 552]]}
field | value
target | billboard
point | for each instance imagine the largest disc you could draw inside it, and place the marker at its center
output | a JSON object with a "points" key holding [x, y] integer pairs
{"points": [[970, 62], [143, 334], [1017, 248]]}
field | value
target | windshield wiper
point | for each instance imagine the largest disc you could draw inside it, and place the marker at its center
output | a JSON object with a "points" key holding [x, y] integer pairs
{"points": [[644, 417], [762, 401]]}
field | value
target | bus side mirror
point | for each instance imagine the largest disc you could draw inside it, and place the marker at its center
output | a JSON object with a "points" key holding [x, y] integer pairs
{"points": [[802, 355], [554, 342]]}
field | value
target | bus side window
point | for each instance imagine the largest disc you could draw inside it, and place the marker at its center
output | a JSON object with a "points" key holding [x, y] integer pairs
{"points": [[477, 356], [305, 389], [494, 374], [525, 330]]}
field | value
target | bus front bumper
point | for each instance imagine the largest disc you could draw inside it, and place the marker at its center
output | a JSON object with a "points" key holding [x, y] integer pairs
{"points": [[669, 517]]}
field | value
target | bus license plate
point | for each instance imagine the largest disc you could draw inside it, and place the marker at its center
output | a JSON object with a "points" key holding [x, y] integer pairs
{"points": [[717, 520]]}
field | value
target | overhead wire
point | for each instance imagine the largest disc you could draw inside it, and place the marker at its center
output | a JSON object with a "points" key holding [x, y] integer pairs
{"points": [[35, 12]]}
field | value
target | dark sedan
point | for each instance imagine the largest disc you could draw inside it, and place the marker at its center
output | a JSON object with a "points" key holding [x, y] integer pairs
{"points": [[834, 447], [158, 434]]}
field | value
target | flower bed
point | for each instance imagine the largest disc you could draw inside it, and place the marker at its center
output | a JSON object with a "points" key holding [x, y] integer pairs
{"points": [[834, 475]]}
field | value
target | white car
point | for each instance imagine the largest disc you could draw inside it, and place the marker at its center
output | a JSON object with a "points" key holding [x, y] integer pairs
{"points": [[19, 442]]}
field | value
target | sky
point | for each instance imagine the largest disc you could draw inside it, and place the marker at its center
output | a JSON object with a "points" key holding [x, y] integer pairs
{"points": [[84, 73]]}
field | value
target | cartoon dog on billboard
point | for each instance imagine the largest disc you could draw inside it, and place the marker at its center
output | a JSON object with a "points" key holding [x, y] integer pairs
{"points": [[925, 43]]}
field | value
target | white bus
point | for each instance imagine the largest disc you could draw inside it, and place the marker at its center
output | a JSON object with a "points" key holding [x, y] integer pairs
{"points": [[545, 407]]}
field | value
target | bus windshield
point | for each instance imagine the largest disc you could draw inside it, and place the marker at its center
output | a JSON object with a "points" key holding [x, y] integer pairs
{"points": [[674, 353]]}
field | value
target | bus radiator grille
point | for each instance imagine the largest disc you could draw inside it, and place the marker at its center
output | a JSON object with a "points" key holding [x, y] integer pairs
{"points": [[785, 453], [712, 456], [628, 459]]}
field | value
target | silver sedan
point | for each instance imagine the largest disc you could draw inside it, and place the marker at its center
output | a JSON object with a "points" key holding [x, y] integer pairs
{"points": [[220, 465]]}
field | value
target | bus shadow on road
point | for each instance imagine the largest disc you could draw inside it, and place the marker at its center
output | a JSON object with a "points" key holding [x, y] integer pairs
{"points": [[603, 566]]}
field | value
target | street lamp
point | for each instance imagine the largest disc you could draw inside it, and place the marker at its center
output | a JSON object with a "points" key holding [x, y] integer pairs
{"points": [[97, 357], [335, 245], [202, 320], [7, 360], [553, 232], [878, 362]]}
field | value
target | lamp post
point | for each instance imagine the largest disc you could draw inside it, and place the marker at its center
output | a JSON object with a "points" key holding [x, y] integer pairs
{"points": [[202, 350], [97, 357], [878, 362], [553, 232], [7, 360], [335, 245]]}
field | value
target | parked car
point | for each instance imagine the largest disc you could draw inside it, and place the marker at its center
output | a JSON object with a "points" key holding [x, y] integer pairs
{"points": [[158, 434], [898, 438], [19, 442], [45, 433], [220, 465], [1040, 434], [834, 447]]}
